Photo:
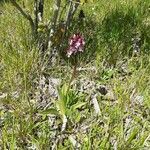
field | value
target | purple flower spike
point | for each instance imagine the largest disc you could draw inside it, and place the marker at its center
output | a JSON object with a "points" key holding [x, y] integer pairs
{"points": [[76, 44]]}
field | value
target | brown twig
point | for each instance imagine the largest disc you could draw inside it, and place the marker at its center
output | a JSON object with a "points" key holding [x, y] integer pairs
{"points": [[24, 13], [36, 16], [52, 28]]}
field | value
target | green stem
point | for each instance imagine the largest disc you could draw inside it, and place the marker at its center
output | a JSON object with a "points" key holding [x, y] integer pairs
{"points": [[73, 76]]}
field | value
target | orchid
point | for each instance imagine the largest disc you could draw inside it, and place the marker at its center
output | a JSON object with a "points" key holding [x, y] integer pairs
{"points": [[76, 44]]}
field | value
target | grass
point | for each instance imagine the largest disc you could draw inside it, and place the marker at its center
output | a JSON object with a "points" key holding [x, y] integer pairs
{"points": [[33, 116]]}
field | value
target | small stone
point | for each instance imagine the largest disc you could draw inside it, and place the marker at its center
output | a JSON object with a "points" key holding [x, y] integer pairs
{"points": [[102, 90]]}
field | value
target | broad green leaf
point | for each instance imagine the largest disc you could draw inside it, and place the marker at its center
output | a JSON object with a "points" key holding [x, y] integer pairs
{"points": [[62, 92], [132, 136], [49, 111], [61, 106], [78, 105]]}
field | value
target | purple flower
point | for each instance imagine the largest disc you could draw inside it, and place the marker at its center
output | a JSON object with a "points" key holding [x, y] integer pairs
{"points": [[76, 44]]}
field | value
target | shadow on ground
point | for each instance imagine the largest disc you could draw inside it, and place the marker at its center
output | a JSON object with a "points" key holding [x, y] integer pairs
{"points": [[123, 32]]}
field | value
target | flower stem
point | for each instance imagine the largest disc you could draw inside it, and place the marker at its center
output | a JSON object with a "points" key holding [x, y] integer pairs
{"points": [[73, 76]]}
